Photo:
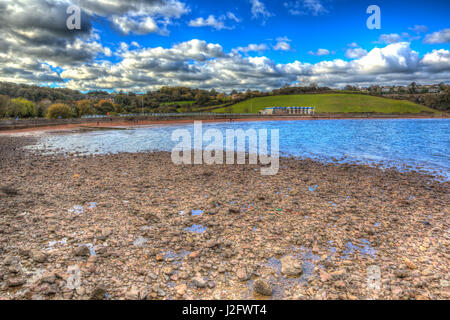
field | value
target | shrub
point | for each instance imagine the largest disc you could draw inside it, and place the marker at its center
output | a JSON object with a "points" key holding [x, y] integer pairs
{"points": [[20, 107], [84, 107], [105, 106], [4, 101], [59, 110]]}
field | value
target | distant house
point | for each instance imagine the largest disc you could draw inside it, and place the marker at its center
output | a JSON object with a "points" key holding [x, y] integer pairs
{"points": [[434, 90], [385, 90], [287, 110]]}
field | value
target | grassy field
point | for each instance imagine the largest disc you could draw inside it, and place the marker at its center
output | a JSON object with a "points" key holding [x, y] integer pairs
{"points": [[329, 103]]}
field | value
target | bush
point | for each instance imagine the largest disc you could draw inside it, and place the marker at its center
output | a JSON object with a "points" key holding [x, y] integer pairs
{"points": [[104, 106], [84, 107], [4, 101], [21, 107], [59, 110]]}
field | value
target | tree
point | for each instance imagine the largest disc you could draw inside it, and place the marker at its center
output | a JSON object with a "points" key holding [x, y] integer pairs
{"points": [[42, 107], [84, 107], [20, 107], [4, 100], [59, 110], [105, 106]]}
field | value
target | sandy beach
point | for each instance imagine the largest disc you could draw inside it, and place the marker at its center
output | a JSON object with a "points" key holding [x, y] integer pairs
{"points": [[136, 226]]}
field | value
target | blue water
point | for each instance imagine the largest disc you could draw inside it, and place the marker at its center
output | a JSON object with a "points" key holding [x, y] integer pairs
{"points": [[419, 143]]}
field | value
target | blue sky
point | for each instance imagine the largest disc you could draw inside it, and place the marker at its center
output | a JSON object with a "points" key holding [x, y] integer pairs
{"points": [[248, 44], [343, 22]]}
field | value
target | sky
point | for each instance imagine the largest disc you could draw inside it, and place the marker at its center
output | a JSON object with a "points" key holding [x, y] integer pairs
{"points": [[141, 45]]}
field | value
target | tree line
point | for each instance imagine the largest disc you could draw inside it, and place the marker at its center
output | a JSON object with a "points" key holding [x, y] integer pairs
{"points": [[25, 101]]}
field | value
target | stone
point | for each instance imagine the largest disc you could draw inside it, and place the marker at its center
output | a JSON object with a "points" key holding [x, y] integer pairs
{"points": [[181, 289], [242, 274], [290, 266], [38, 256], [199, 282], [263, 287], [15, 282], [99, 293], [82, 251]]}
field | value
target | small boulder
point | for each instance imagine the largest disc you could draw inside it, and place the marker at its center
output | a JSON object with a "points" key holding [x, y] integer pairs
{"points": [[82, 251], [199, 282], [263, 287], [99, 293], [38, 256], [290, 266]]}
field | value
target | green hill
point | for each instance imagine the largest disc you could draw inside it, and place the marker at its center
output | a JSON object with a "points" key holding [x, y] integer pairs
{"points": [[329, 103]]}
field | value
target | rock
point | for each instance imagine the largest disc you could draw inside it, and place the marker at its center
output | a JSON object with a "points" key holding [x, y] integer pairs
{"points": [[38, 256], [338, 274], [132, 294], [263, 287], [409, 264], [82, 251], [234, 210], [242, 274], [50, 278], [211, 284], [194, 254], [290, 266], [181, 289], [324, 276], [199, 282], [15, 282], [99, 293]]}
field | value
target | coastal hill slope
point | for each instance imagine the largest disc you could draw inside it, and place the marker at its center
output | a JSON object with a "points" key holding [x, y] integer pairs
{"points": [[329, 103]]}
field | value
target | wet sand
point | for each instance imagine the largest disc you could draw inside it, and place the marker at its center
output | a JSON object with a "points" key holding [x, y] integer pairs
{"points": [[122, 227]]}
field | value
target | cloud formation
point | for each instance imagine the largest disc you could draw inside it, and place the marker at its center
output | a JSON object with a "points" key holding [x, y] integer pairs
{"points": [[216, 23], [442, 36]]}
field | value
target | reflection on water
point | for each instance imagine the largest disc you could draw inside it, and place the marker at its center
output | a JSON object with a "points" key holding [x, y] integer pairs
{"points": [[418, 143], [196, 228]]}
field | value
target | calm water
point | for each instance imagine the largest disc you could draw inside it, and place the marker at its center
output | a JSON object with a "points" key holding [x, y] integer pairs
{"points": [[419, 143]]}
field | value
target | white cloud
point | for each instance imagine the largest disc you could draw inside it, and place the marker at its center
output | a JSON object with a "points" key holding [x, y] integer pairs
{"points": [[259, 10], [438, 60], [252, 47], [127, 25], [390, 38], [216, 23], [354, 53], [442, 36], [305, 7], [282, 46], [419, 29], [320, 52]]}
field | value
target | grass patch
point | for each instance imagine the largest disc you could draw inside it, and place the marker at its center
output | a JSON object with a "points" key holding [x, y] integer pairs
{"points": [[330, 103]]}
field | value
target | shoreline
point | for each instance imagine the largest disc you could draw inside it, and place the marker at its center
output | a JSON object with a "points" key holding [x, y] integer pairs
{"points": [[136, 122], [124, 222]]}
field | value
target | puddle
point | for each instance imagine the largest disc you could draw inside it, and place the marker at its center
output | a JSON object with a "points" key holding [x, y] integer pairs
{"points": [[77, 209], [139, 242], [173, 255], [91, 205], [52, 244], [196, 228], [281, 283], [196, 212], [365, 249], [313, 188], [90, 246]]}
